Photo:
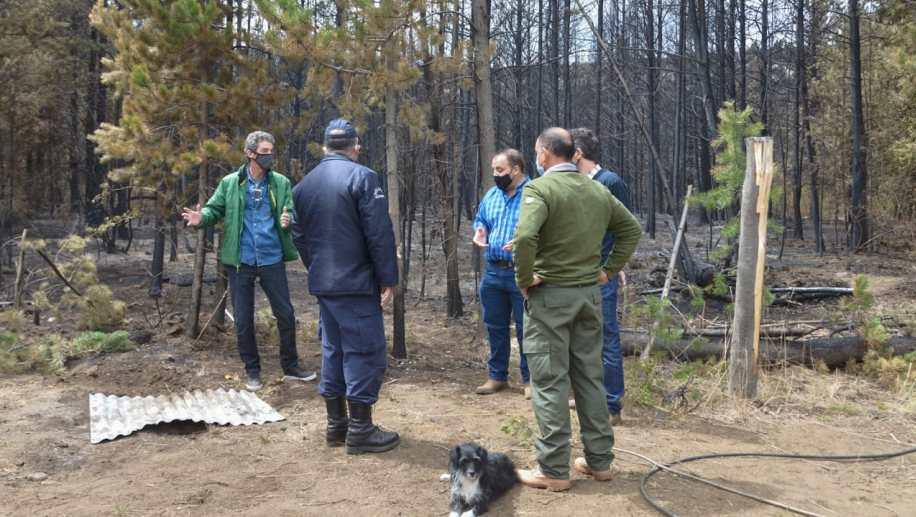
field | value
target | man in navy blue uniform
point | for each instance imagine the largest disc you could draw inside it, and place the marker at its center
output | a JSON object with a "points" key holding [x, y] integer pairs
{"points": [[500, 298], [586, 159], [344, 235]]}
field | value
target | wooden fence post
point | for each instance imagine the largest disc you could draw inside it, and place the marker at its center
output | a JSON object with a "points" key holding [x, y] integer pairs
{"points": [[742, 367]]}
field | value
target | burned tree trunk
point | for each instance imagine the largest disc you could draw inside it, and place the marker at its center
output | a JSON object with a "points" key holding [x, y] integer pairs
{"points": [[200, 254], [859, 233]]}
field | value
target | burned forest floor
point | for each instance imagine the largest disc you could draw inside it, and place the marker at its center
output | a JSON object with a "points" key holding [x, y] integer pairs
{"points": [[673, 409]]}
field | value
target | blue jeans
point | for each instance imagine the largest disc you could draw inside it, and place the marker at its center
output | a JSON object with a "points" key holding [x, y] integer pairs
{"points": [[273, 282], [611, 356], [354, 354], [502, 302]]}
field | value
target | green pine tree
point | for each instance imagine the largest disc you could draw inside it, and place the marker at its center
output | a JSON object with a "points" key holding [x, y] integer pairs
{"points": [[728, 172], [189, 98]]}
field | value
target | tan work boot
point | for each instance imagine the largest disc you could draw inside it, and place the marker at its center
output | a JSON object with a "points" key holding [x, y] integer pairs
{"points": [[615, 419], [536, 479], [581, 466], [490, 387], [527, 392]]}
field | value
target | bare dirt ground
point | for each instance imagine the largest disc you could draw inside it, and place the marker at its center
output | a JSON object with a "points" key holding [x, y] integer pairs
{"points": [[48, 467]]}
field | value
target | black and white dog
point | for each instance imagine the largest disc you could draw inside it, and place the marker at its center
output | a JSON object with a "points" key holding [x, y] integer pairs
{"points": [[478, 478]]}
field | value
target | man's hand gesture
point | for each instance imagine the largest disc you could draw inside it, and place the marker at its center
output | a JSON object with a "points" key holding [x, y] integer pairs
{"points": [[192, 217], [284, 219], [480, 237]]}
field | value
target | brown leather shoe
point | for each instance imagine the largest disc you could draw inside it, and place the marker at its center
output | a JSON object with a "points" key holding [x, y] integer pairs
{"points": [[490, 387], [581, 466], [615, 419], [536, 479]]}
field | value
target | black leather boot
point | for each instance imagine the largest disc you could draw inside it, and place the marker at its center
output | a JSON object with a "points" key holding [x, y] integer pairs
{"points": [[363, 436], [337, 421]]}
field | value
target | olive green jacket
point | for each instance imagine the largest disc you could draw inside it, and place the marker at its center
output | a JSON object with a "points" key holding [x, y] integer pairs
{"points": [[228, 204], [563, 219]]}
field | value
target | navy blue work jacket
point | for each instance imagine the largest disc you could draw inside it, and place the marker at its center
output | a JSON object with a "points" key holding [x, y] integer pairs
{"points": [[342, 229]]}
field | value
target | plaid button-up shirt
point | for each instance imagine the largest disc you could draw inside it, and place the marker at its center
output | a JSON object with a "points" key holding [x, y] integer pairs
{"points": [[498, 214]]}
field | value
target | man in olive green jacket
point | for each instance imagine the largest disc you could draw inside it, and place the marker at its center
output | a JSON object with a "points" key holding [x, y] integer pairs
{"points": [[254, 204], [564, 216]]}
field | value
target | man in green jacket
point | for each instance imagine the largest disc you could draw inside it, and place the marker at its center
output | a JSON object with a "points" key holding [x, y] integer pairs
{"points": [[563, 219], [255, 203]]}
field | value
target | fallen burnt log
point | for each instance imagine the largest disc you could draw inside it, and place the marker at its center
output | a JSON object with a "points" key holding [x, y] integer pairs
{"points": [[786, 295], [782, 295], [834, 352], [766, 331]]}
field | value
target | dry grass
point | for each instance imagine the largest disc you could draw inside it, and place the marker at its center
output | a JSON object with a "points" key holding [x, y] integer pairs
{"points": [[786, 395]]}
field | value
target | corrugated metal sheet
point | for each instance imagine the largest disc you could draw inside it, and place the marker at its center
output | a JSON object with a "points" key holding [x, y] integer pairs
{"points": [[112, 416]]}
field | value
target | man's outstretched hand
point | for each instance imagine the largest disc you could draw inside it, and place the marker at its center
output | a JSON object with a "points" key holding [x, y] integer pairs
{"points": [[192, 217], [480, 237]]}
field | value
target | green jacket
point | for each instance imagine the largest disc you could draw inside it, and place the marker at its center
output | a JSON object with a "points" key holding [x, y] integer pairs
{"points": [[228, 204], [563, 219]]}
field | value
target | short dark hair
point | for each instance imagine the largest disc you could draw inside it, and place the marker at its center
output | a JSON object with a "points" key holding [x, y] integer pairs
{"points": [[586, 141], [558, 142], [514, 157], [335, 143]]}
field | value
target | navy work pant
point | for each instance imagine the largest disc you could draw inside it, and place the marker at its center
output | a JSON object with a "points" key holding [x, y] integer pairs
{"points": [[353, 348]]}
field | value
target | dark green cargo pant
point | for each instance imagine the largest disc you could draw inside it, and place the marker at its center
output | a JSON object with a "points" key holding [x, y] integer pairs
{"points": [[563, 343]]}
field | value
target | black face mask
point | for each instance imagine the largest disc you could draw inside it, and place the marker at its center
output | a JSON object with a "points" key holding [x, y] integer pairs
{"points": [[264, 161], [503, 181]]}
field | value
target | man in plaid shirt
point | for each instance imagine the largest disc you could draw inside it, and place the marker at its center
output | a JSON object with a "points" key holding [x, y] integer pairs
{"points": [[500, 298]]}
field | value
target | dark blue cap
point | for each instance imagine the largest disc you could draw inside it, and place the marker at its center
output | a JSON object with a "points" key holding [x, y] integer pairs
{"points": [[340, 128]]}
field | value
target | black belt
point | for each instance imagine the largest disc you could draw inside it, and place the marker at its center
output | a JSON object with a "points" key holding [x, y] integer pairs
{"points": [[555, 286], [502, 264]]}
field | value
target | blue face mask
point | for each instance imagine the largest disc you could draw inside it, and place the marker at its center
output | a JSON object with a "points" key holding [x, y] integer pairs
{"points": [[540, 169]]}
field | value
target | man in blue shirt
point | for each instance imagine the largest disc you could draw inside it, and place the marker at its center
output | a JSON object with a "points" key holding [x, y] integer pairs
{"points": [[586, 158], [500, 298], [346, 240], [254, 203]]}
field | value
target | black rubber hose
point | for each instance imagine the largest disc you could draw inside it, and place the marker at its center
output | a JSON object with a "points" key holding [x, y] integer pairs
{"points": [[643, 489]]}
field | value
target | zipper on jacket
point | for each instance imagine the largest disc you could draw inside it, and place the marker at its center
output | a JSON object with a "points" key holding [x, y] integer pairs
{"points": [[242, 200]]}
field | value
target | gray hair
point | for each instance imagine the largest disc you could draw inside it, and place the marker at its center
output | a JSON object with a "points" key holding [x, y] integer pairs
{"points": [[558, 142], [256, 137]]}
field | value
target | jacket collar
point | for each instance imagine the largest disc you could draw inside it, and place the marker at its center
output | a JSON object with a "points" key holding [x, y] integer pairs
{"points": [[243, 174], [336, 156], [562, 167]]}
